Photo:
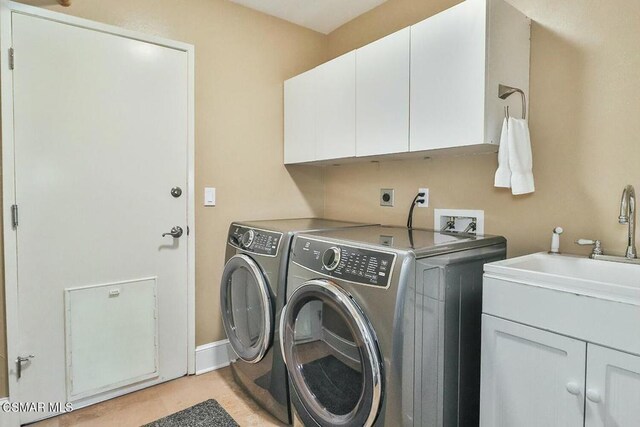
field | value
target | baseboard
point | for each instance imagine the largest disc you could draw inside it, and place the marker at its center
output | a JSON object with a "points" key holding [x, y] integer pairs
{"points": [[212, 356]]}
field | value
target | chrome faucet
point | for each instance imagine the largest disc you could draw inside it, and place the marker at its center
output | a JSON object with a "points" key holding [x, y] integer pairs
{"points": [[628, 216]]}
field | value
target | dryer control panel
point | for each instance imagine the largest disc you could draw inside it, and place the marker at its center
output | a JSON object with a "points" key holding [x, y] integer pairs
{"points": [[260, 242], [345, 262]]}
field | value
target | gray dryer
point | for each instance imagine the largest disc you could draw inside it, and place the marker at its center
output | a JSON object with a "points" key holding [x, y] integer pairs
{"points": [[382, 326]]}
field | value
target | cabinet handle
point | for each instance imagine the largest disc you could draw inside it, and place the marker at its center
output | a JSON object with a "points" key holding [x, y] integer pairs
{"points": [[574, 388], [594, 396]]}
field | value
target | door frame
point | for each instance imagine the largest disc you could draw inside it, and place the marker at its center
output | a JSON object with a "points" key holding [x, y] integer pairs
{"points": [[8, 171]]}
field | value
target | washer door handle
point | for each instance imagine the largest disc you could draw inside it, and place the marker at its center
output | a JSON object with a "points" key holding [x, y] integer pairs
{"points": [[281, 333]]}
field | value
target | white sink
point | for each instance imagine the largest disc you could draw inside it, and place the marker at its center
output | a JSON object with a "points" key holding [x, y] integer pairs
{"points": [[601, 279], [592, 300]]}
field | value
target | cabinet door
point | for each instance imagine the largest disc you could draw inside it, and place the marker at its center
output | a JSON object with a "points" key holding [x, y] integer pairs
{"points": [[530, 377], [613, 388], [336, 108], [448, 78], [382, 95], [300, 118]]}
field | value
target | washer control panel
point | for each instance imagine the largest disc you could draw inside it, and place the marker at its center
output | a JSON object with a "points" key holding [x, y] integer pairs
{"points": [[358, 265], [253, 240]]}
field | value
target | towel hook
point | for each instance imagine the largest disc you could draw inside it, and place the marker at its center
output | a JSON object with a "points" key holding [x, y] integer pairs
{"points": [[505, 91]]}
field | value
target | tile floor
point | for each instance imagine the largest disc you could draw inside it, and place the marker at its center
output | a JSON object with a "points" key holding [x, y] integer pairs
{"points": [[141, 407]]}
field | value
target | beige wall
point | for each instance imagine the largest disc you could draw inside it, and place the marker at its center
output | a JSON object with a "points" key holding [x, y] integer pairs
{"points": [[242, 59], [584, 121]]}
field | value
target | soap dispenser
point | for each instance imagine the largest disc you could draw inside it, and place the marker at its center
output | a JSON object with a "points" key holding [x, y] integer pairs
{"points": [[555, 240]]}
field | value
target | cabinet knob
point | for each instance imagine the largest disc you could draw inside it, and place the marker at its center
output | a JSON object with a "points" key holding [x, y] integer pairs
{"points": [[594, 396], [574, 388]]}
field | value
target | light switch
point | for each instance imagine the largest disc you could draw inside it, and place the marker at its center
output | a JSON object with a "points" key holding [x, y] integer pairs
{"points": [[209, 196]]}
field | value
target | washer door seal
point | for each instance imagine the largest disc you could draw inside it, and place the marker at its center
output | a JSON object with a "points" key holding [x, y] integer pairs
{"points": [[247, 308], [341, 304]]}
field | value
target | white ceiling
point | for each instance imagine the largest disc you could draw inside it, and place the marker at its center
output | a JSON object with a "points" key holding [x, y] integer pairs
{"points": [[320, 15]]}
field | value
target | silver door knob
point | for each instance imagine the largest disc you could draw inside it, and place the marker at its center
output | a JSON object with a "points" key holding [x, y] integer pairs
{"points": [[176, 192], [175, 232]]}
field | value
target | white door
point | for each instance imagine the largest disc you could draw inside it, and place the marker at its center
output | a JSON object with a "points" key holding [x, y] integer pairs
{"points": [[530, 377], [382, 95], [336, 108], [448, 78], [101, 138], [300, 99], [613, 388]]}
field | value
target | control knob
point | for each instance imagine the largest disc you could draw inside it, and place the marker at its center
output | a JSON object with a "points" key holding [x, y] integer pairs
{"points": [[247, 238], [331, 258]]}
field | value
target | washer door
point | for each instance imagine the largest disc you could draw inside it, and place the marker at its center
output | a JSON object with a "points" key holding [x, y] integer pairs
{"points": [[332, 356], [247, 312]]}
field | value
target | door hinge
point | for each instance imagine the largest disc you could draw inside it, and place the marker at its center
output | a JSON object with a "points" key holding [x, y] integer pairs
{"points": [[11, 60], [14, 216]]}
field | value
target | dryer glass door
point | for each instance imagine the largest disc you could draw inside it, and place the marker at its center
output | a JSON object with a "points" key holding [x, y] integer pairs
{"points": [[247, 312], [332, 356]]}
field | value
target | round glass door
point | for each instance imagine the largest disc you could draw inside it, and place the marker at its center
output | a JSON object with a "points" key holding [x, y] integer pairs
{"points": [[332, 356], [247, 312]]}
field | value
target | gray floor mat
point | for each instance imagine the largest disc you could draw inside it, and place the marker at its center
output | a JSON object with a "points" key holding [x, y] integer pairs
{"points": [[205, 414]]}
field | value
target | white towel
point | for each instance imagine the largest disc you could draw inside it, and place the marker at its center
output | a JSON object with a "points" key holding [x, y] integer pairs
{"points": [[515, 161], [520, 158], [503, 174]]}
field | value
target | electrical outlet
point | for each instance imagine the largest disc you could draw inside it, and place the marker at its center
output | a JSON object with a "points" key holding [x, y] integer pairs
{"points": [[386, 197], [386, 240], [425, 198]]}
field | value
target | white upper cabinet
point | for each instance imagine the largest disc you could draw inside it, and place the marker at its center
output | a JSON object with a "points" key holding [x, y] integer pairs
{"points": [[320, 112], [447, 100], [458, 59], [300, 118], [430, 88], [336, 108], [382, 95]]}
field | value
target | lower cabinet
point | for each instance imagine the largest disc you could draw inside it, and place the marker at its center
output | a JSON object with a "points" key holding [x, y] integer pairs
{"points": [[613, 388], [532, 378]]}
